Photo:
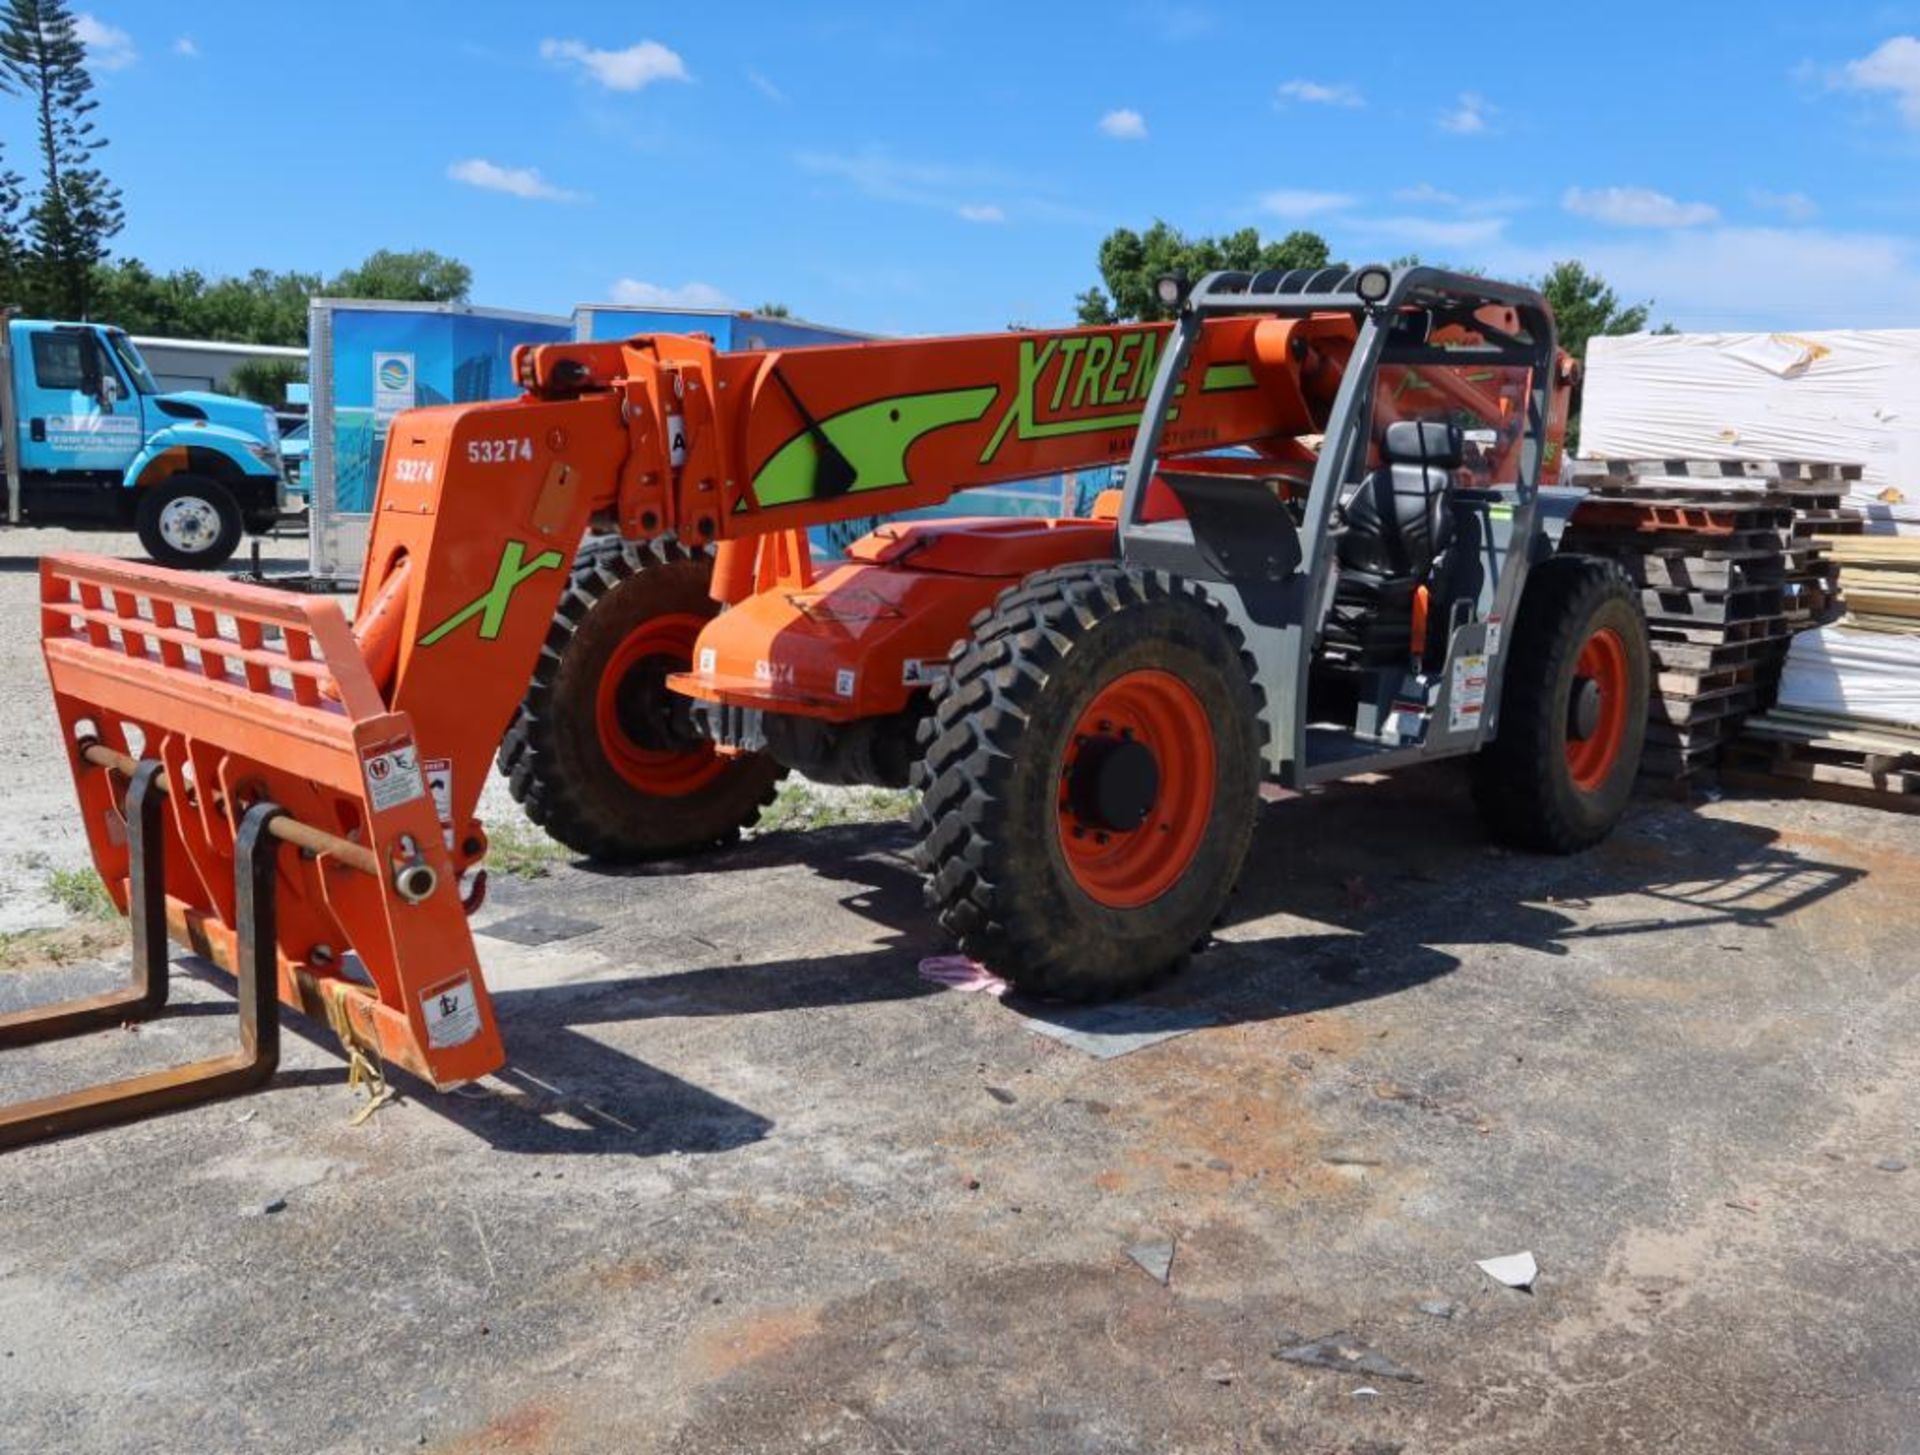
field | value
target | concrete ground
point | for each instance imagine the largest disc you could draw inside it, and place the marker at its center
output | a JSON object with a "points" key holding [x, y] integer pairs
{"points": [[752, 1184]]}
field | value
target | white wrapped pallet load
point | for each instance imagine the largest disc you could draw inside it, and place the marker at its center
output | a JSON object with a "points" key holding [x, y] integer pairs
{"points": [[1838, 396], [1863, 677]]}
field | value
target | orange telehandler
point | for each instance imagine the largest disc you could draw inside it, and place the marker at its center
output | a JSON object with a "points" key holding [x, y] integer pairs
{"points": [[1330, 553]]}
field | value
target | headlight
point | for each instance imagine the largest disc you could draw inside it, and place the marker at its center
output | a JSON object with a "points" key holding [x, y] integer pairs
{"points": [[272, 430], [1373, 284]]}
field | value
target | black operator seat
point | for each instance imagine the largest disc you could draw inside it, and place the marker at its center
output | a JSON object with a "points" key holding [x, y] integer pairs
{"points": [[1399, 520], [1398, 525]]}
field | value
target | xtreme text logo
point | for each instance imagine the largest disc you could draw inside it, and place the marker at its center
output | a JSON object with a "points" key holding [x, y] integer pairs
{"points": [[1084, 383]]}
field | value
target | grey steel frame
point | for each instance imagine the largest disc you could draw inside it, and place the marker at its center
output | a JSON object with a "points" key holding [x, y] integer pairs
{"points": [[1281, 640]]}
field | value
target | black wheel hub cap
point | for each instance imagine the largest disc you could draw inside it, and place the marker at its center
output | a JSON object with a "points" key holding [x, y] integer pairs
{"points": [[1113, 784], [652, 716], [1583, 712]]}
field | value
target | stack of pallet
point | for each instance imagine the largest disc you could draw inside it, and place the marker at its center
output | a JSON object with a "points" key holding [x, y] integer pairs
{"points": [[1728, 565], [1847, 720], [1818, 495]]}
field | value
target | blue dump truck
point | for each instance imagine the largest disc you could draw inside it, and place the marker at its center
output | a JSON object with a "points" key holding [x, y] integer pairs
{"points": [[91, 443]]}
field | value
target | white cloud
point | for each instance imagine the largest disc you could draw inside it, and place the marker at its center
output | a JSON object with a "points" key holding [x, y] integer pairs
{"points": [[1295, 204], [1473, 116], [1636, 207], [765, 87], [687, 295], [1893, 68], [1124, 125], [1794, 206], [980, 212], [632, 69], [1319, 93], [184, 46], [109, 48], [515, 181]]}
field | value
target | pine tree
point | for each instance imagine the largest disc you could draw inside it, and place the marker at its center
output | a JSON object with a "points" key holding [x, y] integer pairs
{"points": [[77, 210], [13, 262]]}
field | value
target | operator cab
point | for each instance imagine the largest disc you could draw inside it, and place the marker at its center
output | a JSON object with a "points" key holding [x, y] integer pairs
{"points": [[1373, 600]]}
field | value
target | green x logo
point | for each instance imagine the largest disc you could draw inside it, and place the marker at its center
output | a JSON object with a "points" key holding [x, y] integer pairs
{"points": [[492, 607]]}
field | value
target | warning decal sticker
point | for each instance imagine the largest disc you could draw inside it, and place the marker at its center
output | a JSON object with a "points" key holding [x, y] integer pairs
{"points": [[452, 1013], [439, 773], [393, 776], [1469, 695]]}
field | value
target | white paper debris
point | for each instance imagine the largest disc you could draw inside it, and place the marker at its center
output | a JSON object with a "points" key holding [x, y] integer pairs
{"points": [[1516, 1270]]}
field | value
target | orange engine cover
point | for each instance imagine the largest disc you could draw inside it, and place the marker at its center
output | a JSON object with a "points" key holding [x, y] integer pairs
{"points": [[870, 632]]}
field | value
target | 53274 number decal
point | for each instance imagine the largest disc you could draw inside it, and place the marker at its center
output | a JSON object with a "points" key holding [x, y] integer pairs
{"points": [[499, 452]]}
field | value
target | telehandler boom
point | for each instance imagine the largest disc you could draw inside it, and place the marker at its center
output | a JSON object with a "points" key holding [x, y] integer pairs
{"points": [[1330, 553]]}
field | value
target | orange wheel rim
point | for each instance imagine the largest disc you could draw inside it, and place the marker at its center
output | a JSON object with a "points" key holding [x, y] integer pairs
{"points": [[1597, 710], [632, 696], [1136, 789]]}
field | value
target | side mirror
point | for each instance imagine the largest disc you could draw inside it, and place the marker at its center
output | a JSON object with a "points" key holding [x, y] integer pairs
{"points": [[109, 391]]}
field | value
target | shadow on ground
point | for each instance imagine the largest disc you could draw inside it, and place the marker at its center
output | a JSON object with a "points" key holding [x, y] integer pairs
{"points": [[1365, 890]]}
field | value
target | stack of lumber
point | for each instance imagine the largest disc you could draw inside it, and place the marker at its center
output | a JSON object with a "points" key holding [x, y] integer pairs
{"points": [[1722, 577], [1882, 575]]}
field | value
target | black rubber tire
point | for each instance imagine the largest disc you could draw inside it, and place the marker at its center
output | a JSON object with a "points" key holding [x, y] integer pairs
{"points": [[991, 756], [552, 756], [1522, 784], [219, 549]]}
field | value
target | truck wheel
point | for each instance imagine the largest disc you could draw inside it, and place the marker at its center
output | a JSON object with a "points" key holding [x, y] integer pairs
{"points": [[1089, 780], [1573, 710], [601, 754], [188, 521]]}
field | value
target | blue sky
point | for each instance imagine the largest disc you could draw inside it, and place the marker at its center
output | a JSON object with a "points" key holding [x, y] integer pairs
{"points": [[904, 168]]}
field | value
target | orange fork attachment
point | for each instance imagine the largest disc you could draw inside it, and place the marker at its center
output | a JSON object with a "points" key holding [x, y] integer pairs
{"points": [[245, 696], [375, 738]]}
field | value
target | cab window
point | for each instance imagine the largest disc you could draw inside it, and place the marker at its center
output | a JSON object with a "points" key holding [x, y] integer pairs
{"points": [[60, 360]]}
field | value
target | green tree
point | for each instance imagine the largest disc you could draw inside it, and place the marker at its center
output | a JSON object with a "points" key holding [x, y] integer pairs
{"points": [[263, 307], [775, 310], [1584, 307], [421, 276], [77, 210], [13, 253], [265, 381], [1131, 263]]}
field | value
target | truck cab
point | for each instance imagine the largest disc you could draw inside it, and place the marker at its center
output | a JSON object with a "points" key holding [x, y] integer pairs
{"points": [[91, 443]]}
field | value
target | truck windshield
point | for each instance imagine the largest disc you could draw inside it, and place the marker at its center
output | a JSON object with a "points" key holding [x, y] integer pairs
{"points": [[131, 361]]}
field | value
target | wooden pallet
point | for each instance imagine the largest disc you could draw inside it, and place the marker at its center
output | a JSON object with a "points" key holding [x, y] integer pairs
{"points": [[1692, 517], [1674, 570], [1703, 658], [1814, 770], [1754, 629], [1786, 472], [1714, 608], [1710, 707]]}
